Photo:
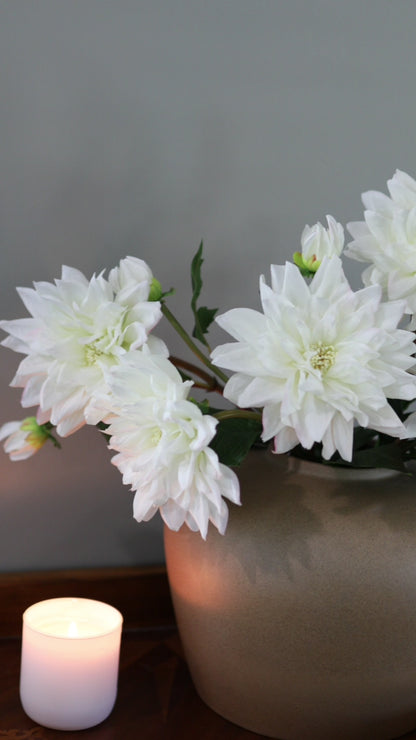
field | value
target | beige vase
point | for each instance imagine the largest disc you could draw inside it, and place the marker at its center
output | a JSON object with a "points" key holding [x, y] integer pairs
{"points": [[300, 622]]}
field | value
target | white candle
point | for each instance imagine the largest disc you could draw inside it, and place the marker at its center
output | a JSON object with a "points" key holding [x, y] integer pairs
{"points": [[70, 657]]}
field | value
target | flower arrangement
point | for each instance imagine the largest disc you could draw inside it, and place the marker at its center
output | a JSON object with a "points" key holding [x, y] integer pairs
{"points": [[323, 371]]}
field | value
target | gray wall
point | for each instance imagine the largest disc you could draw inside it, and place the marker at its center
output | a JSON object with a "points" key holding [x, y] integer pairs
{"points": [[140, 127]]}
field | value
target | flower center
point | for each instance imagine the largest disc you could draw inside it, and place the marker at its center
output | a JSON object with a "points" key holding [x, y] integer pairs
{"points": [[156, 436], [323, 357], [92, 353]]}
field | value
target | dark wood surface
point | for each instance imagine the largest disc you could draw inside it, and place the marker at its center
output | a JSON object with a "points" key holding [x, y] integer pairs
{"points": [[141, 594], [156, 698]]}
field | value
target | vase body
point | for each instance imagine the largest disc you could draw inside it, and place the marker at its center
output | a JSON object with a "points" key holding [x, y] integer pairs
{"points": [[300, 622]]}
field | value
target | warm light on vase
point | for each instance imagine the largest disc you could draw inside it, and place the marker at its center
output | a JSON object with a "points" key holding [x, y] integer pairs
{"points": [[70, 658]]}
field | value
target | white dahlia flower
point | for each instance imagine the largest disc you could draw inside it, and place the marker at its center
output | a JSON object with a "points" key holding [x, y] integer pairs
{"points": [[320, 358], [162, 443], [77, 330], [387, 239]]}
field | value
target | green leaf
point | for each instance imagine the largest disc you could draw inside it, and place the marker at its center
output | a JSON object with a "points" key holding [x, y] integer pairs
{"points": [[364, 438], [383, 456], [401, 407], [203, 316], [234, 438], [204, 406], [408, 447], [391, 455], [196, 279]]}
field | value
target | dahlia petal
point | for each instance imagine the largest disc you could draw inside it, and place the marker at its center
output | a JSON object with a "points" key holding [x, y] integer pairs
{"points": [[15, 344], [172, 515], [235, 387], [376, 201], [362, 248], [154, 345], [358, 229], [32, 391], [342, 433], [220, 519], [70, 424], [285, 441], [402, 189], [32, 301], [293, 285], [26, 330], [72, 275], [329, 281], [242, 323], [43, 416], [260, 392], [233, 356], [272, 422], [9, 428], [68, 406], [231, 487], [379, 225], [30, 365]]}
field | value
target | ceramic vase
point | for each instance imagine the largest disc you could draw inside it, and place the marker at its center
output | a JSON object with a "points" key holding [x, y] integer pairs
{"points": [[300, 622]]}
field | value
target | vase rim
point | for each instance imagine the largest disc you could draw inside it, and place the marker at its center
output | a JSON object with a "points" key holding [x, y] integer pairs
{"points": [[322, 470]]}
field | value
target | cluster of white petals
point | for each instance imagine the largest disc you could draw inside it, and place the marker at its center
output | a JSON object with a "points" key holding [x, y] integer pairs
{"points": [[319, 359], [162, 439], [77, 330], [386, 239], [23, 438], [319, 242]]}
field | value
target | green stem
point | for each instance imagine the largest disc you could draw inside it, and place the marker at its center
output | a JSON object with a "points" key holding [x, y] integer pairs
{"points": [[48, 431], [238, 414], [191, 344], [210, 383]]}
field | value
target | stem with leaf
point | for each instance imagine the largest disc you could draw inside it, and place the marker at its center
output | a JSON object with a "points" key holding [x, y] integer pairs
{"points": [[191, 344]]}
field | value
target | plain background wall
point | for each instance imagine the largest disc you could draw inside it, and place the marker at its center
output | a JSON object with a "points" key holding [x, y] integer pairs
{"points": [[139, 127]]}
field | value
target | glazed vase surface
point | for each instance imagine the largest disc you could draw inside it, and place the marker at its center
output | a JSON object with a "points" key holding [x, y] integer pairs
{"points": [[300, 622]]}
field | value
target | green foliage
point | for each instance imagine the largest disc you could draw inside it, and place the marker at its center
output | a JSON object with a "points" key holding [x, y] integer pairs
{"points": [[370, 450], [382, 456], [203, 316], [234, 438]]}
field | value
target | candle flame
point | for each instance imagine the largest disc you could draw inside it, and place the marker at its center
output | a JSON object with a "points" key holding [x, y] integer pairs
{"points": [[72, 630]]}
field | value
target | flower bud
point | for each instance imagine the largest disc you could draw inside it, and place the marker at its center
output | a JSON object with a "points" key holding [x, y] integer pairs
{"points": [[319, 242], [24, 438]]}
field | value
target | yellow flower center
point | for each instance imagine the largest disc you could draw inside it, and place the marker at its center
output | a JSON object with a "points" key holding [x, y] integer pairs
{"points": [[92, 353], [323, 357], [156, 436]]}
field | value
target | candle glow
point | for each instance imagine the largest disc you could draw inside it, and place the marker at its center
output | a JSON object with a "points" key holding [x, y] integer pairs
{"points": [[70, 656]]}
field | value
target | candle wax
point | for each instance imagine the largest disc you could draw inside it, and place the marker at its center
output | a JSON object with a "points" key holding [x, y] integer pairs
{"points": [[69, 668]]}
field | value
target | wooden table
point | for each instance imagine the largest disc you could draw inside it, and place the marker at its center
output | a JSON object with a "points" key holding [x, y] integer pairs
{"points": [[156, 699]]}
